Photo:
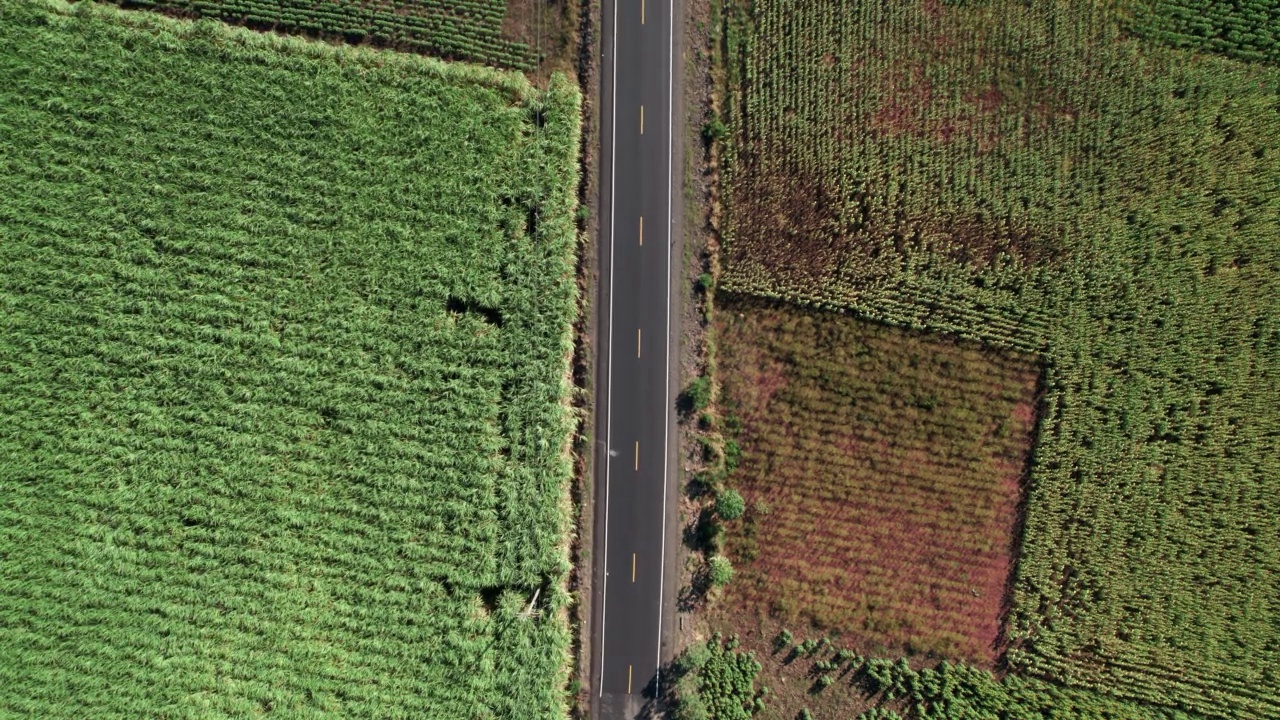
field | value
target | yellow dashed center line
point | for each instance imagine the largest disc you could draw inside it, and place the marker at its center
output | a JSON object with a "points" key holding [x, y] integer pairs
{"points": [[633, 567], [637, 456]]}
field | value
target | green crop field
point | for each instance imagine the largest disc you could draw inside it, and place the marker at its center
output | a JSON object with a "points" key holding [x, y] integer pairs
{"points": [[284, 344], [1244, 29], [1034, 177], [456, 29]]}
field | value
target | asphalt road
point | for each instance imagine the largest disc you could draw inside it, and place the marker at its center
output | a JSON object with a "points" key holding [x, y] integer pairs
{"points": [[639, 237]]}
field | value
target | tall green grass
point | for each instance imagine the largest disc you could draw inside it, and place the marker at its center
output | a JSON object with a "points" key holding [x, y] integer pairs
{"points": [[284, 333]]}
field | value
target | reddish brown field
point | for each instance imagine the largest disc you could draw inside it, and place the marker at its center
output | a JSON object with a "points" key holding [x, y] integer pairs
{"points": [[882, 471]]}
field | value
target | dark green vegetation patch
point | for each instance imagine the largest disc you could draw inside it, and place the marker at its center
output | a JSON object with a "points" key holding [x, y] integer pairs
{"points": [[1243, 29], [283, 342], [457, 29]]}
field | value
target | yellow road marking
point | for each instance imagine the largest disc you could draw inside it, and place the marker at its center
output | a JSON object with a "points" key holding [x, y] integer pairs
{"points": [[628, 679], [641, 119], [641, 12], [642, 230], [637, 342], [637, 455], [633, 567]]}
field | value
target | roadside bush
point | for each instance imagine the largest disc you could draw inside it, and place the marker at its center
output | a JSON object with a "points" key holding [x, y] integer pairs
{"points": [[697, 396], [710, 453], [730, 505], [720, 571], [714, 130]]}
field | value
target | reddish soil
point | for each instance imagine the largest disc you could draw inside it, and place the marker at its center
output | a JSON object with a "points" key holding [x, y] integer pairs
{"points": [[882, 471]]}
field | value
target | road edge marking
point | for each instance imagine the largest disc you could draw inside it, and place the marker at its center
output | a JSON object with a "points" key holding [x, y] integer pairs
{"points": [[608, 432], [666, 398]]}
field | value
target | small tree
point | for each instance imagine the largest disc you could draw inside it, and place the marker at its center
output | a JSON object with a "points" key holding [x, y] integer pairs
{"points": [[719, 570], [730, 505]]}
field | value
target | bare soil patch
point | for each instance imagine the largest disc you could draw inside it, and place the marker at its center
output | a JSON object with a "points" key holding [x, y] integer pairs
{"points": [[882, 471]]}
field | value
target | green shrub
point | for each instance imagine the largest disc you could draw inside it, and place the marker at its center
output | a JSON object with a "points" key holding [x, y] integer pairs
{"points": [[730, 505], [782, 640], [732, 455], [718, 683], [697, 396], [714, 130], [719, 570], [710, 452], [809, 647]]}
